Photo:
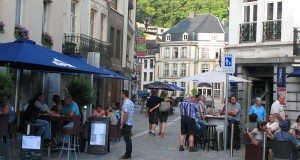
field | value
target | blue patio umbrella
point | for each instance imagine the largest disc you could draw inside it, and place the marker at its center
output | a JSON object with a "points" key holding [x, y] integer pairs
{"points": [[176, 87], [158, 85], [26, 54], [294, 74]]}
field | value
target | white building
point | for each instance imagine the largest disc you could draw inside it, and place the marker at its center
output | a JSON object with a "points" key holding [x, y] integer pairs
{"points": [[261, 36], [191, 47]]}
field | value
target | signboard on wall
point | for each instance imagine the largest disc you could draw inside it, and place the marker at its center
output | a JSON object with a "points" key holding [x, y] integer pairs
{"points": [[281, 76], [141, 47], [228, 63], [282, 91]]}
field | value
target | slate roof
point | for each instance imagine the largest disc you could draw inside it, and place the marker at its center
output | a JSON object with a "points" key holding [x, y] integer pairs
{"points": [[205, 23]]}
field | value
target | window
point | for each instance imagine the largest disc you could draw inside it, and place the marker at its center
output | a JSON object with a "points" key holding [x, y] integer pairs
{"points": [[270, 10], [204, 68], [254, 13], [92, 23], [182, 84], [183, 52], [217, 90], [151, 76], [168, 37], [128, 48], [166, 70], [19, 12], [279, 10], [145, 63], [205, 53], [73, 17], [166, 82], [183, 70], [145, 76], [174, 83], [151, 63], [185, 37], [118, 44], [167, 53], [102, 26], [246, 13], [174, 73], [175, 53], [45, 13]]}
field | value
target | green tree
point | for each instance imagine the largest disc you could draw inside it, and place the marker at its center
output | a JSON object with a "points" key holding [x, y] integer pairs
{"points": [[194, 91], [7, 86], [167, 13], [81, 90]]}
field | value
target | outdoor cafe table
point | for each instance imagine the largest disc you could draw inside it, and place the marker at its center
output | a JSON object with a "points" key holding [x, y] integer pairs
{"points": [[51, 119]]}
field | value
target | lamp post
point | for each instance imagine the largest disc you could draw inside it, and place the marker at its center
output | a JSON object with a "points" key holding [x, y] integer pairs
{"points": [[146, 23]]}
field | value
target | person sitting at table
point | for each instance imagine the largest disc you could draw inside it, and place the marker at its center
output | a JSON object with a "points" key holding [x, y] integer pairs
{"points": [[70, 108], [252, 124], [99, 111], [57, 104], [116, 110], [31, 117], [200, 116], [113, 120], [295, 129], [272, 125]]}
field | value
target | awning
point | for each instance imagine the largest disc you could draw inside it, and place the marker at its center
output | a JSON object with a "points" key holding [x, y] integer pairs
{"points": [[294, 74]]}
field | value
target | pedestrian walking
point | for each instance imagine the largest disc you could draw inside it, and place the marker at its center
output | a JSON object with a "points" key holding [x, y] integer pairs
{"points": [[152, 110], [163, 116], [188, 111], [127, 122], [277, 109]]}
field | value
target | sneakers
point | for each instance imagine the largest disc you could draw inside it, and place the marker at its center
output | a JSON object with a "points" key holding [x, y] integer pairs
{"points": [[192, 149], [125, 157], [181, 148]]}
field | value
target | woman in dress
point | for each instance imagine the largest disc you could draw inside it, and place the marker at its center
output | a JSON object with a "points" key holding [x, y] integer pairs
{"points": [[272, 125], [163, 116]]}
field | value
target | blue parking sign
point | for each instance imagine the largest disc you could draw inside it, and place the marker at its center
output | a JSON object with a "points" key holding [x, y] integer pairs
{"points": [[228, 61]]}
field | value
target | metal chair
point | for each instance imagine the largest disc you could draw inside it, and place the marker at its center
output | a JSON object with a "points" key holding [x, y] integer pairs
{"points": [[251, 151], [210, 137], [72, 132], [283, 150]]}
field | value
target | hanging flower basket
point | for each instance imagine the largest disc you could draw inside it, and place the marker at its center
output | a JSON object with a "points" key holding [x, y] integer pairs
{"points": [[2, 27], [21, 32], [47, 40], [130, 5]]}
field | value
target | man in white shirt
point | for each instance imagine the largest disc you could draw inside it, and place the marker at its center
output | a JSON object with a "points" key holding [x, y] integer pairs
{"points": [[277, 109]]}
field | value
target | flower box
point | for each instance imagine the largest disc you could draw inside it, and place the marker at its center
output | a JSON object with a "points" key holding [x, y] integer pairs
{"points": [[69, 47], [21, 32], [47, 40], [2, 27]]}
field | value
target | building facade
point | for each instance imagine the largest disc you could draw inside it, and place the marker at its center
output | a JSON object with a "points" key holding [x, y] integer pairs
{"points": [[98, 30], [261, 37], [191, 47]]}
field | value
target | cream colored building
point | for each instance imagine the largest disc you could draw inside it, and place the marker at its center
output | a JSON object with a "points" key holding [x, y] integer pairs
{"points": [[191, 47], [87, 23]]}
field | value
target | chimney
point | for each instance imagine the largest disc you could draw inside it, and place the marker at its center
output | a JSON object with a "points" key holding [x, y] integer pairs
{"points": [[192, 15]]}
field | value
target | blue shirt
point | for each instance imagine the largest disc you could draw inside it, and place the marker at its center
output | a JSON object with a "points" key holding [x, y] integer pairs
{"points": [[284, 136], [259, 111], [128, 106], [188, 108], [73, 107]]}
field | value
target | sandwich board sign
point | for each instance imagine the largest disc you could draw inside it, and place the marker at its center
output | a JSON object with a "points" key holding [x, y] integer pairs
{"points": [[228, 63]]}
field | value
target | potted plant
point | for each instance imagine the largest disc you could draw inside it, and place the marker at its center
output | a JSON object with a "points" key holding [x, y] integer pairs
{"points": [[81, 90], [194, 91], [47, 40], [2, 27], [69, 47], [7, 86], [21, 32]]}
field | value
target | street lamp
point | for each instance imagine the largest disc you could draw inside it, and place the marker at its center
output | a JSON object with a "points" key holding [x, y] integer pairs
{"points": [[146, 22]]}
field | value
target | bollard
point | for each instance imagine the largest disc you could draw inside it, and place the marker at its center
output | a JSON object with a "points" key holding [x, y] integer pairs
{"points": [[28, 129], [247, 130], [231, 141], [264, 146]]}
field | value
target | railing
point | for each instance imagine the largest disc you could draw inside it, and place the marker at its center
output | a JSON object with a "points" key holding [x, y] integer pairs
{"points": [[248, 32], [80, 43], [272, 30]]}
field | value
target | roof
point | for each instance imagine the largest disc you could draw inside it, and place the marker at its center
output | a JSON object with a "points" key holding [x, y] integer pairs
{"points": [[205, 23]]}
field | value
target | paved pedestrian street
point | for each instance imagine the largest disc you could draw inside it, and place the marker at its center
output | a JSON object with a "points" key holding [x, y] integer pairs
{"points": [[147, 147]]}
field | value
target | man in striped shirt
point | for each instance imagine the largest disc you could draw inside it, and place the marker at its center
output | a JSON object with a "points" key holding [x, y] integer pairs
{"points": [[188, 111]]}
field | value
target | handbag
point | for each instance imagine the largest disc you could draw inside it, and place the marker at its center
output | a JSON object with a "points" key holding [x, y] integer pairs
{"points": [[164, 107]]}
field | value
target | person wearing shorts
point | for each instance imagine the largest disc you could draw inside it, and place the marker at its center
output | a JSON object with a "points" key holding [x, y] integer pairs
{"points": [[152, 111], [188, 111]]}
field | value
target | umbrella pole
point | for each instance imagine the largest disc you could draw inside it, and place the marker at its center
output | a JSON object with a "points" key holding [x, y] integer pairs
{"points": [[226, 114], [18, 98]]}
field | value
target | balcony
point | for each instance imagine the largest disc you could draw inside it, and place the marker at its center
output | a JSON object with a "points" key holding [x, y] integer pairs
{"points": [[80, 43], [272, 30], [248, 32]]}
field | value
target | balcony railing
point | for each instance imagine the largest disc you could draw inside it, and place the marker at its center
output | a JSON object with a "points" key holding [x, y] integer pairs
{"points": [[248, 32], [272, 30], [80, 43]]}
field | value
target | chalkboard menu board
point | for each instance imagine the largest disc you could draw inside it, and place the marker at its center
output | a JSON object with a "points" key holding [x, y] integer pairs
{"points": [[31, 148], [98, 135]]}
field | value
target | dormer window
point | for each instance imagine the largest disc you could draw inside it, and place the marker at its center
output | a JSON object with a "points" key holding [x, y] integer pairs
{"points": [[185, 37], [168, 37]]}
